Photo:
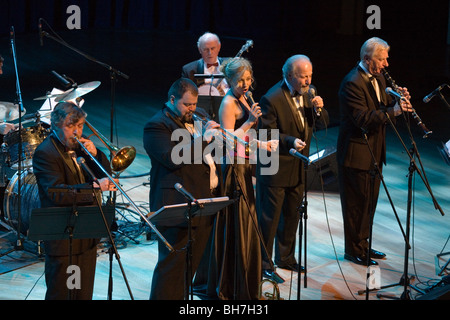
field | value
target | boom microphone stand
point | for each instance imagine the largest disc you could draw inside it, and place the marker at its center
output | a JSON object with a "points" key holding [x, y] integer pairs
{"points": [[114, 73]]}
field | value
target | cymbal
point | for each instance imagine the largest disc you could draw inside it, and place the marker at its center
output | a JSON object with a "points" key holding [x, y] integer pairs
{"points": [[52, 95], [79, 91], [9, 111]]}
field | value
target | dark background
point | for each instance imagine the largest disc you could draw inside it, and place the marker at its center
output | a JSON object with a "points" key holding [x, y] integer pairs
{"points": [[151, 40]]}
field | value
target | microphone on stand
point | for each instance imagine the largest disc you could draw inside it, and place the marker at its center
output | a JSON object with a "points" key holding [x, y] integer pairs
{"points": [[185, 193], [393, 93], [62, 79], [297, 154], [82, 162], [427, 98]]}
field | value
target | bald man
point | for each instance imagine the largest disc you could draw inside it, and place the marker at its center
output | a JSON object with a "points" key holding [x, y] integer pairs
{"points": [[209, 46], [293, 107]]}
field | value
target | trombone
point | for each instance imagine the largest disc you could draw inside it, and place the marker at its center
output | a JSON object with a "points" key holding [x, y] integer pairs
{"points": [[123, 192], [121, 158]]}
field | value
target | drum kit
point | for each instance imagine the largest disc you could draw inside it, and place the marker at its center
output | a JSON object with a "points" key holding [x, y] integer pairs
{"points": [[34, 129]]}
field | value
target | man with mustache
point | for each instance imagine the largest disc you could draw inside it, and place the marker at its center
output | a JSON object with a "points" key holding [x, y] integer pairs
{"points": [[54, 165]]}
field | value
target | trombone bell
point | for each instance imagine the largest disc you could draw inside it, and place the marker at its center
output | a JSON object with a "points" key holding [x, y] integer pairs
{"points": [[123, 158], [275, 295]]}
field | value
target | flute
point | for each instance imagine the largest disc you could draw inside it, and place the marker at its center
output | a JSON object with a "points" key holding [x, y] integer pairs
{"points": [[414, 113]]}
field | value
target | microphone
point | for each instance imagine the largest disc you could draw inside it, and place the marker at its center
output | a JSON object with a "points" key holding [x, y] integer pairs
{"points": [[393, 93], [297, 154], [312, 95], [185, 193], [427, 98], [249, 97], [41, 35], [81, 162], [63, 80]]}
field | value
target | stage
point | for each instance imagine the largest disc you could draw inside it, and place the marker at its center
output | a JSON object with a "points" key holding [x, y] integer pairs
{"points": [[152, 56]]}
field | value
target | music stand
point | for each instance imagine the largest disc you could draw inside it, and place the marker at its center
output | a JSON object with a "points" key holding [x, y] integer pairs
{"points": [[180, 213], [61, 223], [77, 221], [211, 103]]}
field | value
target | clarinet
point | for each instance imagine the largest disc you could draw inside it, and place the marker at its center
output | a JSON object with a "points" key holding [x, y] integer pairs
{"points": [[414, 113]]}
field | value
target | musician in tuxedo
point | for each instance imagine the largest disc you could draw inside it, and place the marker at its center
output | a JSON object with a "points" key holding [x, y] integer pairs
{"points": [[293, 107], [209, 46], [364, 108], [198, 174], [55, 166]]}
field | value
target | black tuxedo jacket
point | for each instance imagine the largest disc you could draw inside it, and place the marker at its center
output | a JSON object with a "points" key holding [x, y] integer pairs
{"points": [[53, 168], [361, 112], [196, 67], [165, 172], [280, 112]]}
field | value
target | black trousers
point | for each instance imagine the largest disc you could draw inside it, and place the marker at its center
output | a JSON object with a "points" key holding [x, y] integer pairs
{"points": [[58, 280], [359, 191], [278, 218], [168, 282]]}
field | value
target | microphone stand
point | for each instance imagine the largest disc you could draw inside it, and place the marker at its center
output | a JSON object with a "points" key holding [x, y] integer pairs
{"points": [[412, 168], [443, 100], [188, 287], [114, 73], [377, 171], [302, 232], [19, 242]]}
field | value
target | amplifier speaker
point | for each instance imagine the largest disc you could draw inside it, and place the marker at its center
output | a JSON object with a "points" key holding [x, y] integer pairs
{"points": [[323, 169]]}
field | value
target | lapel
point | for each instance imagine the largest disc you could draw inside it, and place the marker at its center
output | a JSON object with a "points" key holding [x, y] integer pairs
{"points": [[67, 159], [383, 96], [370, 87], [292, 106], [172, 116], [200, 66]]}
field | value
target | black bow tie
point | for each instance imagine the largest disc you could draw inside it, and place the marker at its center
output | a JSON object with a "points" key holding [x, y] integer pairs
{"points": [[296, 94], [209, 65]]}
